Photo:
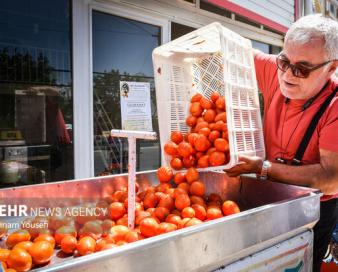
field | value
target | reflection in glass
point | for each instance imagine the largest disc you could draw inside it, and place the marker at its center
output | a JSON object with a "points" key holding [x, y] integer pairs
{"points": [[122, 51], [36, 112]]}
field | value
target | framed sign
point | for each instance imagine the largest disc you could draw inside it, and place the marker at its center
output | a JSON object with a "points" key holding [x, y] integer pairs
{"points": [[135, 106]]}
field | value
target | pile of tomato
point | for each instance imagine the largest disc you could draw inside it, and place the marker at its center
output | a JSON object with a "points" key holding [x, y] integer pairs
{"points": [[207, 142], [178, 201]]}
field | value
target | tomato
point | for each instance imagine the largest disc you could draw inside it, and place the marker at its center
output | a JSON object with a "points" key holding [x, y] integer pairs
{"points": [[108, 246], [68, 244], [203, 161], [176, 137], [19, 259], [86, 245], [150, 200], [200, 212], [221, 145], [26, 245], [191, 138], [173, 219], [60, 233], [220, 126], [4, 253], [118, 232], [192, 175], [209, 115], [119, 196], [204, 131], [164, 174], [41, 252], [176, 163], [116, 210], [196, 97], [176, 212], [182, 223], [133, 236], [230, 207], [184, 149], [217, 158], [191, 121], [201, 143], [149, 227], [221, 117], [162, 187], [106, 225], [197, 188], [182, 201], [170, 149], [188, 212], [17, 237], [165, 227], [123, 221], [92, 229], [213, 197], [196, 109], [185, 186], [189, 161], [214, 205], [170, 192], [220, 103], [161, 213], [201, 125], [140, 216], [197, 200], [100, 244], [192, 222], [179, 178], [57, 221], [151, 211], [214, 96], [167, 202], [206, 103], [215, 134], [213, 213]]}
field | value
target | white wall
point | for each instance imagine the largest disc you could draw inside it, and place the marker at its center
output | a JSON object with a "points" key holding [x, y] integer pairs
{"points": [[281, 11]]}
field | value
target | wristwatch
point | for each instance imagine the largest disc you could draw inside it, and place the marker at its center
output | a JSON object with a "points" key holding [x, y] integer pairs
{"points": [[265, 168]]}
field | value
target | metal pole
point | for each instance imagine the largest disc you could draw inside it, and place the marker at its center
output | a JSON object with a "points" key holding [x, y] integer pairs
{"points": [[132, 136]]}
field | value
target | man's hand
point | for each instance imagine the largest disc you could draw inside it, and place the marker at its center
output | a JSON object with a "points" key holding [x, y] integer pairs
{"points": [[246, 165]]}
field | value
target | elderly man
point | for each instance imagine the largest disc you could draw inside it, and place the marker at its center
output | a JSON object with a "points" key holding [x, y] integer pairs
{"points": [[295, 85]]}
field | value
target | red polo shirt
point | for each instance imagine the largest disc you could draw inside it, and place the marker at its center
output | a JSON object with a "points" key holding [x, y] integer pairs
{"points": [[286, 123]]}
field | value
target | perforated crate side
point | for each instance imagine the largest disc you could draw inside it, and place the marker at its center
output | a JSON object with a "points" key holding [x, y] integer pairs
{"points": [[209, 59]]}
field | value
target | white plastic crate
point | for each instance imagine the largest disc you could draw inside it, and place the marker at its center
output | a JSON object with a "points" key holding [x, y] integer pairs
{"points": [[212, 58]]}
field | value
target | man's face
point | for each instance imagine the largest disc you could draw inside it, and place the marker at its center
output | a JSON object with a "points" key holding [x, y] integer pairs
{"points": [[309, 55]]}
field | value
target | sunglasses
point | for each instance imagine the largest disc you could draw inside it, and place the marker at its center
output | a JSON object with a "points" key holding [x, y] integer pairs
{"points": [[298, 69]]}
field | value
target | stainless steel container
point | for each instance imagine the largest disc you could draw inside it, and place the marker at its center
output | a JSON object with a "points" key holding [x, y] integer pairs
{"points": [[271, 213]]}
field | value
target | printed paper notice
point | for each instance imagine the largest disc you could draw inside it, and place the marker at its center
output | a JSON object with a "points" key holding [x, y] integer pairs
{"points": [[135, 106]]}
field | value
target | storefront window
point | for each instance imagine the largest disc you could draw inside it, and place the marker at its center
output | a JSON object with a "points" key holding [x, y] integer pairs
{"points": [[178, 30], [36, 111], [122, 50]]}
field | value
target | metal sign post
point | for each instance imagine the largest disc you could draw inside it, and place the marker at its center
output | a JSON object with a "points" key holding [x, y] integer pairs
{"points": [[132, 136]]}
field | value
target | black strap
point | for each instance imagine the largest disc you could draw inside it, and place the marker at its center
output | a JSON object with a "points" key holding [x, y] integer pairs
{"points": [[308, 134]]}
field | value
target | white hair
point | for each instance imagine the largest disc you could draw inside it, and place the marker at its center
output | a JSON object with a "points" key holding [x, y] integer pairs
{"points": [[313, 27]]}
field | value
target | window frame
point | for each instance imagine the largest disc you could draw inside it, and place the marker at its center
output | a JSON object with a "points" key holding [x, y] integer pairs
{"points": [[83, 126]]}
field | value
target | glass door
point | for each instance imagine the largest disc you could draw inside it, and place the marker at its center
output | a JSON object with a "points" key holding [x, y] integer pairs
{"points": [[122, 66], [36, 92]]}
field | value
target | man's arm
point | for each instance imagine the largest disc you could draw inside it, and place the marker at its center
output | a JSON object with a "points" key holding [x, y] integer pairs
{"points": [[322, 176]]}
